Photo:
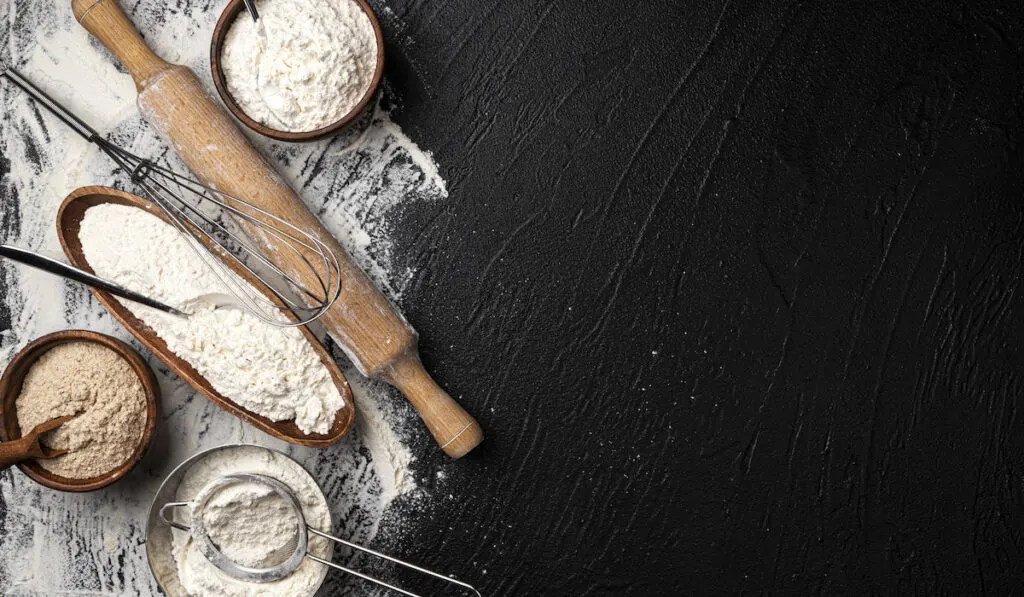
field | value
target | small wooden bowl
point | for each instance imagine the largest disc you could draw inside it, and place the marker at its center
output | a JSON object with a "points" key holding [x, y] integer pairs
{"points": [[10, 387], [227, 18], [69, 219]]}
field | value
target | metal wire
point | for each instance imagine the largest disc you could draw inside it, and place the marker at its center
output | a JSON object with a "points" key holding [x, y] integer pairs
{"points": [[208, 234]]}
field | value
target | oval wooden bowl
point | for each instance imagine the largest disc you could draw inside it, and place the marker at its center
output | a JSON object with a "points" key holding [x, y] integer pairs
{"points": [[69, 219], [231, 12], [10, 387]]}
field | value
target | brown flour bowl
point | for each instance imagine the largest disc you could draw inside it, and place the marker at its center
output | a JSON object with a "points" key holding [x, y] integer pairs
{"points": [[10, 387], [220, 32]]}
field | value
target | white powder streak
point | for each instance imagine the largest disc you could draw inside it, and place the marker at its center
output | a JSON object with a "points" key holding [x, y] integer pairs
{"points": [[355, 182], [375, 429]]}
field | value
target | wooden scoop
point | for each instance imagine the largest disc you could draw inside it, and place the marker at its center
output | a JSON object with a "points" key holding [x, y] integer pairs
{"points": [[367, 327], [28, 447]]}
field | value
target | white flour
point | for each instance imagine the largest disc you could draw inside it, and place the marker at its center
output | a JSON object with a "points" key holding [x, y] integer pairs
{"points": [[358, 183], [248, 522], [272, 371], [305, 65]]}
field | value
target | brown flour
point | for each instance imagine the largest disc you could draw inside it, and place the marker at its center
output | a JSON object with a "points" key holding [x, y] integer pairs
{"points": [[91, 379]]}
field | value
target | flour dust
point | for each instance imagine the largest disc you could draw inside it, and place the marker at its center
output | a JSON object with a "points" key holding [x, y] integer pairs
{"points": [[60, 544]]}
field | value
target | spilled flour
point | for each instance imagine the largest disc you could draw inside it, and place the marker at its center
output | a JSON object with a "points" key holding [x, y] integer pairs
{"points": [[355, 182]]}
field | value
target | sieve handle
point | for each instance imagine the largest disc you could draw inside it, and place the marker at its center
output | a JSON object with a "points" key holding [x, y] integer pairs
{"points": [[386, 557], [169, 521]]}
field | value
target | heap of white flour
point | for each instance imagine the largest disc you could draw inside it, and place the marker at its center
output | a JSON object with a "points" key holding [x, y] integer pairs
{"points": [[269, 370], [304, 65], [245, 520]]}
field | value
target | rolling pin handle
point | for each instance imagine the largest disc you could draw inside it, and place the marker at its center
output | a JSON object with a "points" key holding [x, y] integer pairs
{"points": [[85, 12], [455, 430], [107, 22]]}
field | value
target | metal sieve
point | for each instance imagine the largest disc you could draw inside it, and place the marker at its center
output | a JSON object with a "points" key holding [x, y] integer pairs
{"points": [[290, 557]]}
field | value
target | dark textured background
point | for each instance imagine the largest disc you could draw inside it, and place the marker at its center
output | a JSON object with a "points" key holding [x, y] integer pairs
{"points": [[735, 289]]}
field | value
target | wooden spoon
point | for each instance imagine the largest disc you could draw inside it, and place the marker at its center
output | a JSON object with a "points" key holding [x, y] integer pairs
{"points": [[69, 220], [28, 447]]}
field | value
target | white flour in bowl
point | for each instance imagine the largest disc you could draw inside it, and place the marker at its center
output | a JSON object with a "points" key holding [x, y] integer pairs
{"points": [[269, 370], [245, 521], [303, 66]]}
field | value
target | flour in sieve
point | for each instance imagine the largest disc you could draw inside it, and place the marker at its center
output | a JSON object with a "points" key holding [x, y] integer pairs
{"points": [[269, 370], [251, 524], [247, 523]]}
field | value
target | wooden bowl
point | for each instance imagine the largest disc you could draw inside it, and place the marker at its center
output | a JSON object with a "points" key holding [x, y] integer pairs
{"points": [[10, 387], [231, 12], [69, 219]]}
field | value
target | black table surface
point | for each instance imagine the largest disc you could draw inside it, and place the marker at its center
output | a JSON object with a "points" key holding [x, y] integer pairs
{"points": [[734, 288]]}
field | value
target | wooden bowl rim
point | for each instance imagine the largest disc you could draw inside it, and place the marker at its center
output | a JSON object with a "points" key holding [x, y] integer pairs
{"points": [[227, 17], [10, 387], [344, 418]]}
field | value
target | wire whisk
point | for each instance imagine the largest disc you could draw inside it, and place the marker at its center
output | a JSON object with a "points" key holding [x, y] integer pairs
{"points": [[199, 227]]}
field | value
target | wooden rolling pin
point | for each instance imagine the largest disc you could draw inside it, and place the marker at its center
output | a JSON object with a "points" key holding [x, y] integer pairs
{"points": [[370, 330]]}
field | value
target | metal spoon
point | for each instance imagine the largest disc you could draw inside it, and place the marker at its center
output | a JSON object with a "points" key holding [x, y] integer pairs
{"points": [[250, 5], [271, 95], [53, 266], [216, 300]]}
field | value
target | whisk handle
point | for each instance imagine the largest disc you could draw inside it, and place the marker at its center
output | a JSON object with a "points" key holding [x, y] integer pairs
{"points": [[106, 20], [52, 105]]}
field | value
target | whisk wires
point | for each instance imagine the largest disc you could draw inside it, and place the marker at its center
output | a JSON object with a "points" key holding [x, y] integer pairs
{"points": [[306, 294]]}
